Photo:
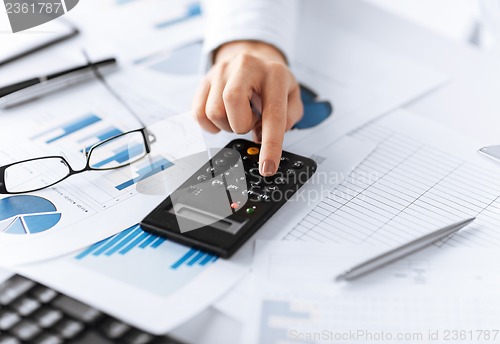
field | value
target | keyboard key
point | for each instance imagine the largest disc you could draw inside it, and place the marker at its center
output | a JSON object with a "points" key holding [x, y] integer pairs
{"points": [[26, 330], [47, 317], [13, 288], [8, 319], [137, 337], [43, 294], [76, 309], [25, 306], [69, 329], [48, 338], [92, 337], [113, 328], [8, 339]]}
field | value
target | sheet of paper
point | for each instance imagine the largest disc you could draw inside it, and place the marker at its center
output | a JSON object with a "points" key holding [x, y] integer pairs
{"points": [[433, 292], [421, 177], [93, 205], [145, 280], [286, 314]]}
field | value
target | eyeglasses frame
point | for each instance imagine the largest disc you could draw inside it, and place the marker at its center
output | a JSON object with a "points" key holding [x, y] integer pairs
{"points": [[148, 138]]}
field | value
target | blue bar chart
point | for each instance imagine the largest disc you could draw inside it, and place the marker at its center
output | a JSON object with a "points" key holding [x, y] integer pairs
{"points": [[145, 261], [99, 136], [85, 131], [57, 133], [146, 170], [135, 238], [121, 155]]}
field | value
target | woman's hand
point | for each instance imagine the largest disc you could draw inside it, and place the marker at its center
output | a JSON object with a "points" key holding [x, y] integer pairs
{"points": [[244, 73]]}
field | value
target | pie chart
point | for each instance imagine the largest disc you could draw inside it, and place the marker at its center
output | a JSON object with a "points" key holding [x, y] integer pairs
{"points": [[26, 214]]}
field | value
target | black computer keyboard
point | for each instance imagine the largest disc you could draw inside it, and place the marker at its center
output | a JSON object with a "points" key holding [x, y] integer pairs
{"points": [[33, 313]]}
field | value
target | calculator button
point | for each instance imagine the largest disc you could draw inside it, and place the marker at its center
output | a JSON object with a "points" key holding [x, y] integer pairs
{"points": [[250, 211], [47, 338], [217, 182], [13, 288], [8, 319], [220, 162], [298, 164], [202, 177], [210, 169], [43, 294], [239, 146], [289, 172], [284, 160], [25, 306], [8, 339], [229, 154], [68, 329], [256, 182], [254, 172], [26, 330], [233, 187], [270, 188], [281, 181], [253, 151], [47, 317]]}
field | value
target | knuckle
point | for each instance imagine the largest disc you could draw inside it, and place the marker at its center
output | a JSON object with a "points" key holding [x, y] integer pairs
{"points": [[199, 111], [243, 126], [245, 59], [215, 113], [232, 95], [277, 70]]}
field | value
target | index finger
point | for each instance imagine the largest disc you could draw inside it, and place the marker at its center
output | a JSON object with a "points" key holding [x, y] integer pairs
{"points": [[274, 113]]}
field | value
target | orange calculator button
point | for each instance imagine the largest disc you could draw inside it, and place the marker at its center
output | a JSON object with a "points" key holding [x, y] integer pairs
{"points": [[253, 151]]}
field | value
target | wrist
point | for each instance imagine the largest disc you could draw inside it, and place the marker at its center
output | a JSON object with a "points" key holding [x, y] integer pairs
{"points": [[268, 52]]}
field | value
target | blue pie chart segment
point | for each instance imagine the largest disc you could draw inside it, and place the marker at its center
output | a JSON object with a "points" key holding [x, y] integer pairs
{"points": [[26, 214]]}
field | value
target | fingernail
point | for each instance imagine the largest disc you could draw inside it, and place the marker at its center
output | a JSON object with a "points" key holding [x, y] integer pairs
{"points": [[268, 167]]}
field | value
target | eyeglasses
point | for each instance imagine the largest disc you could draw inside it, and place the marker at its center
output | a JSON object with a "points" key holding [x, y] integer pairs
{"points": [[40, 173], [116, 152]]}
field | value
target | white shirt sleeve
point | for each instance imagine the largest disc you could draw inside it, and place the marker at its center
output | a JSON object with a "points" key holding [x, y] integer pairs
{"points": [[269, 21]]}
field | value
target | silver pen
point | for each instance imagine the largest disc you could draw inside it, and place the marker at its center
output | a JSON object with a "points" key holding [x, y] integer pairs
{"points": [[401, 251], [38, 87]]}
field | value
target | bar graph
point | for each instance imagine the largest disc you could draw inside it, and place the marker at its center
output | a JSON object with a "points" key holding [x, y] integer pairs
{"points": [[121, 155], [101, 135], [59, 132], [145, 261], [135, 238], [146, 170]]}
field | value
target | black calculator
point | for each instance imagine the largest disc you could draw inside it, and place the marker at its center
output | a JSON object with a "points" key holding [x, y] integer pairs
{"points": [[226, 201]]}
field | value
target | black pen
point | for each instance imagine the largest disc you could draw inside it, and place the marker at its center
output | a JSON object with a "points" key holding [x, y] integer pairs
{"points": [[26, 90]]}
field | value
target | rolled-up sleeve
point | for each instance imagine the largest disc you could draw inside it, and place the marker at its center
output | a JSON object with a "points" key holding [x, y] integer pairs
{"points": [[269, 21]]}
